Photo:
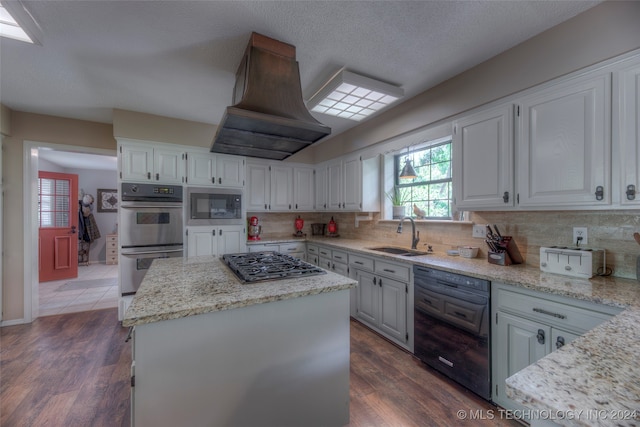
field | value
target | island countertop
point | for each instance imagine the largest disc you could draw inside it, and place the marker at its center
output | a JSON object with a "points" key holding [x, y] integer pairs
{"points": [[179, 287]]}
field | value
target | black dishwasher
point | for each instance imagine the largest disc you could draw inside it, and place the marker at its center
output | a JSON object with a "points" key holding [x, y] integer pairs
{"points": [[451, 315]]}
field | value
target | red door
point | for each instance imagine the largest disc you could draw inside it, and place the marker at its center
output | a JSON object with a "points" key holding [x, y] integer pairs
{"points": [[58, 217]]}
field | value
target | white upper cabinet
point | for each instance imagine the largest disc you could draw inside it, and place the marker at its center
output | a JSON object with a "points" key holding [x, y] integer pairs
{"points": [[351, 184], [279, 187], [215, 170], [565, 143], [627, 130], [303, 189], [483, 159], [146, 162], [258, 186], [334, 185], [321, 193]]}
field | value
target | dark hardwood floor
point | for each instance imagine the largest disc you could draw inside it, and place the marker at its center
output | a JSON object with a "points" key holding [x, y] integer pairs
{"points": [[73, 370]]}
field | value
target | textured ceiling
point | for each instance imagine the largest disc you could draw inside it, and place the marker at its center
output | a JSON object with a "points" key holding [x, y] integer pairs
{"points": [[178, 58]]}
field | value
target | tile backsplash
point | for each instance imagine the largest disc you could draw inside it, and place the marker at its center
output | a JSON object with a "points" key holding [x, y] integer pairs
{"points": [[608, 230]]}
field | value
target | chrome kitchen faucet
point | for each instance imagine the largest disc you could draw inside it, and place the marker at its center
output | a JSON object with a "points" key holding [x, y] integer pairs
{"points": [[415, 235]]}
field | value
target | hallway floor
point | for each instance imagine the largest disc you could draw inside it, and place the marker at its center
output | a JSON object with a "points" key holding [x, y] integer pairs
{"points": [[55, 299]]}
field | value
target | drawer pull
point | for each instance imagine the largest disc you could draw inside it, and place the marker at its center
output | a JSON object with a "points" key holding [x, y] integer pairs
{"points": [[388, 270], [457, 313], [337, 257], [549, 313], [358, 262]]}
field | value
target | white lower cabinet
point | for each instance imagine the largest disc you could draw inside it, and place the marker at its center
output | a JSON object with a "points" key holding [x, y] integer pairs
{"points": [[382, 296], [215, 240], [295, 249], [528, 325], [333, 260]]}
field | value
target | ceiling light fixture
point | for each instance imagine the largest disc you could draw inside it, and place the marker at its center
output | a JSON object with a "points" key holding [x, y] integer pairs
{"points": [[351, 96], [17, 23]]}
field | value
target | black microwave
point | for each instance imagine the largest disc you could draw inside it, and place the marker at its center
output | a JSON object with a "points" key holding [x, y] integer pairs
{"points": [[214, 206]]}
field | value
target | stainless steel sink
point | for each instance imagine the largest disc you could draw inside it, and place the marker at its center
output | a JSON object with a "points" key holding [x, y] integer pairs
{"points": [[399, 251]]}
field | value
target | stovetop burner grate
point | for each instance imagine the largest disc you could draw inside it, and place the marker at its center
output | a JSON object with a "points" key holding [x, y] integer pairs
{"points": [[259, 266]]}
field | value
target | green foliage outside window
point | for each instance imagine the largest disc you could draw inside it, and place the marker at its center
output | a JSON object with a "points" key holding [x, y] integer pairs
{"points": [[429, 195]]}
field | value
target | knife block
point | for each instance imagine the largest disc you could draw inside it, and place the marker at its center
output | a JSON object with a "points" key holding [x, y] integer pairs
{"points": [[506, 257]]}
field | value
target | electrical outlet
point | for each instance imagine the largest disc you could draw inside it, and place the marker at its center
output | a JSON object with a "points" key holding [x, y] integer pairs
{"points": [[479, 231], [580, 236]]}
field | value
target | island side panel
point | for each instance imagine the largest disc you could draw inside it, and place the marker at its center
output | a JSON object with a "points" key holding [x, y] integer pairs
{"points": [[283, 363]]}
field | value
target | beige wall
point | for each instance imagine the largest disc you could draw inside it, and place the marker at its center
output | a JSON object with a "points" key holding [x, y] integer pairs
{"points": [[39, 128], [149, 127], [600, 33], [5, 120]]}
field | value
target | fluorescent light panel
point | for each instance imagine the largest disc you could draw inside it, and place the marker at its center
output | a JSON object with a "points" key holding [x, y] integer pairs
{"points": [[352, 96], [17, 23]]}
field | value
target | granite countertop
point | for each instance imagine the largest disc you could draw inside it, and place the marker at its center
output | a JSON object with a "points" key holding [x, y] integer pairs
{"points": [[594, 380], [181, 287]]}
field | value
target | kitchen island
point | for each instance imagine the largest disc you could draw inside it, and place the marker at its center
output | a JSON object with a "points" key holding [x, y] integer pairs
{"points": [[209, 350]]}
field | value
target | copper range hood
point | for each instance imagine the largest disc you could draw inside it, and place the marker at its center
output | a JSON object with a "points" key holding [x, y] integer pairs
{"points": [[270, 120]]}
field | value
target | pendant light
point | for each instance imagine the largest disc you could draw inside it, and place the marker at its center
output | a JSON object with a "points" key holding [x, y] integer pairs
{"points": [[407, 171]]}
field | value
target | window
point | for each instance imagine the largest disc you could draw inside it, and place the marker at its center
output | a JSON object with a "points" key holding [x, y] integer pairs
{"points": [[429, 195], [53, 202]]}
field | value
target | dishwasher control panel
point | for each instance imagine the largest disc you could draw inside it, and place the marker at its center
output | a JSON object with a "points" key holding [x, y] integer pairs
{"points": [[572, 261]]}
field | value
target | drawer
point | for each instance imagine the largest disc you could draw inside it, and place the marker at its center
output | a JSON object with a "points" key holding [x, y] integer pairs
{"points": [[395, 271], [550, 312], [289, 248], [339, 256], [361, 262], [324, 252], [313, 249], [112, 244], [112, 260]]}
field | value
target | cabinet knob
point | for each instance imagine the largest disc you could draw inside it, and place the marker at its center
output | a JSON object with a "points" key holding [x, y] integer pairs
{"points": [[540, 336], [560, 342], [505, 197]]}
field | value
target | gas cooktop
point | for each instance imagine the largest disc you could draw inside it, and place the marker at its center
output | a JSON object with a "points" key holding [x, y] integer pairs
{"points": [[260, 266]]}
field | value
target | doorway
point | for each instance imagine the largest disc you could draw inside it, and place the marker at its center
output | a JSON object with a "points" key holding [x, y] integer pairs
{"points": [[67, 295]]}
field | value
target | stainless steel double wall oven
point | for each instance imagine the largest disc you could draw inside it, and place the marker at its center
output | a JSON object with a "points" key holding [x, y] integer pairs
{"points": [[150, 228]]}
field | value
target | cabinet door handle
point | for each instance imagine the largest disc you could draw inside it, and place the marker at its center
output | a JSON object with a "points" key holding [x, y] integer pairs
{"points": [[213, 181], [148, 175], [380, 282], [505, 197], [374, 281], [219, 180], [549, 313], [157, 177], [631, 192], [540, 336], [214, 232], [220, 233], [599, 192], [560, 342], [265, 206]]}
